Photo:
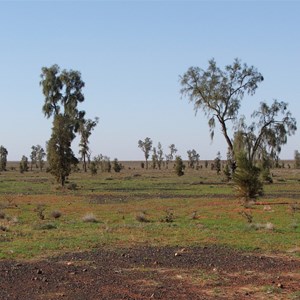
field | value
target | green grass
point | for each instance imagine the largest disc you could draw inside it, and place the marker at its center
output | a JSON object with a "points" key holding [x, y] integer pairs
{"points": [[116, 203]]}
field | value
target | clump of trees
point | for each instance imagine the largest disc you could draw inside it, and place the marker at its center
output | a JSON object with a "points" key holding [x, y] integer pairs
{"points": [[193, 158], [24, 164], [146, 147], [219, 93], [37, 157]]}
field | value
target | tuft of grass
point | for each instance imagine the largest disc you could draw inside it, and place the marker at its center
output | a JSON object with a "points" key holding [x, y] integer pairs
{"points": [[46, 226], [89, 218], [141, 217], [56, 214]]}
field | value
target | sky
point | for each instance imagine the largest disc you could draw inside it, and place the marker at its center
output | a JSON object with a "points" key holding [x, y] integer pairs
{"points": [[131, 55]]}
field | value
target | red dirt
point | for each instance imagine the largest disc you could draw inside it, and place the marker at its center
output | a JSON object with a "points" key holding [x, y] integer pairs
{"points": [[152, 273]]}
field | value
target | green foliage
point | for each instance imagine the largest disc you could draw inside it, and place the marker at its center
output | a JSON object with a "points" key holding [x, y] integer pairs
{"points": [[179, 166], [154, 158], [24, 164], [193, 157], [217, 163], [3, 158], [37, 157], [93, 168], [160, 156], [117, 166], [246, 178], [59, 153], [170, 156], [146, 147], [219, 92], [102, 162], [63, 92], [85, 129]]}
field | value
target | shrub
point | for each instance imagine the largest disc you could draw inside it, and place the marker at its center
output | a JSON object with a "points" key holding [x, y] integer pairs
{"points": [[246, 178], [56, 214], [89, 218], [117, 166], [169, 217], [141, 217], [179, 166]]}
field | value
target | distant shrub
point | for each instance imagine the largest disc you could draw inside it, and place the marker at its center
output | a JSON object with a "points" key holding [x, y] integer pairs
{"points": [[169, 217], [246, 215], [56, 214], [141, 217], [117, 166], [179, 166], [89, 218]]}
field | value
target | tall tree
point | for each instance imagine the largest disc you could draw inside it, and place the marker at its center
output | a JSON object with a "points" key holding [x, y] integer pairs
{"points": [[160, 155], [146, 147], [33, 157], [170, 156], [193, 157], [85, 129], [3, 158], [37, 157], [219, 92], [63, 92]]}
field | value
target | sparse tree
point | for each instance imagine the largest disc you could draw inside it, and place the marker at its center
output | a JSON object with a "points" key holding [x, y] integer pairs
{"points": [[170, 156], [154, 158], [63, 92], [3, 158], [267, 133], [219, 92], [193, 157], [37, 157], [85, 129], [40, 155], [160, 155], [33, 157], [146, 147]]}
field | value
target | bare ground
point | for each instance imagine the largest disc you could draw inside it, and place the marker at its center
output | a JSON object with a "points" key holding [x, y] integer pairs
{"points": [[153, 273]]}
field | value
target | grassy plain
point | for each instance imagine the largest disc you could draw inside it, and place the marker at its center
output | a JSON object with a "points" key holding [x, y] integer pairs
{"points": [[143, 207]]}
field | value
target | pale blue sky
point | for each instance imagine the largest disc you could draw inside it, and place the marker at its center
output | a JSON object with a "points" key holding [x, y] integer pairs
{"points": [[130, 54]]}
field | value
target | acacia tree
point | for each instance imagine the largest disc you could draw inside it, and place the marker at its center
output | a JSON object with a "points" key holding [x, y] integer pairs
{"points": [[170, 156], [219, 92], [146, 147], [3, 158], [268, 132], [85, 129], [63, 92], [193, 157], [160, 155], [40, 155]]}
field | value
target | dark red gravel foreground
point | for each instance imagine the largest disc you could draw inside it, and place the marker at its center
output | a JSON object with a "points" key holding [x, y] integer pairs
{"points": [[153, 273]]}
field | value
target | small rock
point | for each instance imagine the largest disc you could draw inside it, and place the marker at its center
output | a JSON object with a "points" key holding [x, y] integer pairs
{"points": [[280, 285], [84, 270], [39, 271]]}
